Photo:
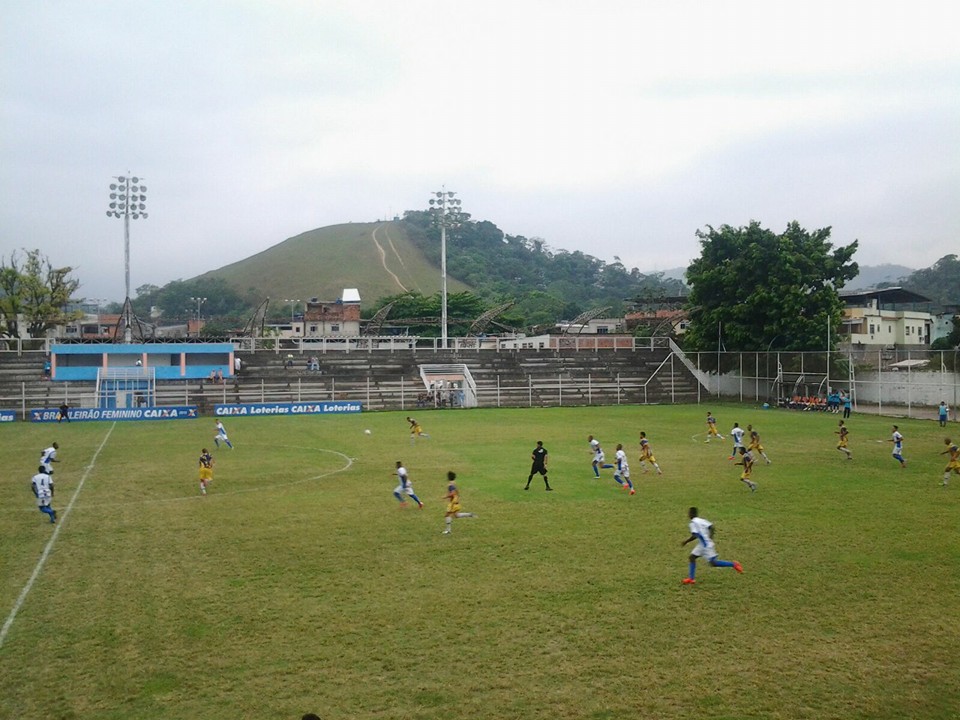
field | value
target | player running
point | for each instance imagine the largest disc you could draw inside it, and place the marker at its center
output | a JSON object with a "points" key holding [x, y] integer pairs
{"points": [[646, 454], [953, 466], [49, 456], [453, 504], [737, 434], [712, 427], [222, 435], [622, 472], [897, 439], [755, 445], [405, 487], [598, 456], [746, 459], [701, 532], [206, 470], [42, 485], [415, 430], [844, 440]]}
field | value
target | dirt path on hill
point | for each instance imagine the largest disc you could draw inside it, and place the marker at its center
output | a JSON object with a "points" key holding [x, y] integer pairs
{"points": [[399, 258], [383, 258]]}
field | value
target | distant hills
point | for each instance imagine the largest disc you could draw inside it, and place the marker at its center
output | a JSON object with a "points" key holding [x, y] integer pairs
{"points": [[872, 275], [382, 259], [869, 276]]}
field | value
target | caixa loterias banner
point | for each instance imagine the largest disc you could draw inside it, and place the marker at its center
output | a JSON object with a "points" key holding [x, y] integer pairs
{"points": [[297, 408]]}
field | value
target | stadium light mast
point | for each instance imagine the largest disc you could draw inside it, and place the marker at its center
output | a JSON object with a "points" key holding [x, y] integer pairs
{"points": [[199, 301], [127, 200], [293, 310], [447, 213]]}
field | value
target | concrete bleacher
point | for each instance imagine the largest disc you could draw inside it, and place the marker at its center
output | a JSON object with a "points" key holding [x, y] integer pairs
{"points": [[509, 379], [392, 380]]}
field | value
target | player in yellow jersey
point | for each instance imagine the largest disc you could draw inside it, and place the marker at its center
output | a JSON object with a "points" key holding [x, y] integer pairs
{"points": [[415, 430], [754, 445], [712, 427], [746, 459], [206, 470], [646, 454], [453, 503], [844, 440], [954, 465]]}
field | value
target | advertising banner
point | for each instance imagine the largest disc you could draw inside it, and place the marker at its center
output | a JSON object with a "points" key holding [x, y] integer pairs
{"points": [[173, 412], [298, 408]]}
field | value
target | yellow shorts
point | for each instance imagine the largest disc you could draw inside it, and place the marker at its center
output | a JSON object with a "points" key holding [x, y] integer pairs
{"points": [[842, 443], [206, 473], [453, 507], [649, 458]]}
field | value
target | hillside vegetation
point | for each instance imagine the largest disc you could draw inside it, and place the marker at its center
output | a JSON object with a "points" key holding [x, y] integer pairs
{"points": [[376, 258]]}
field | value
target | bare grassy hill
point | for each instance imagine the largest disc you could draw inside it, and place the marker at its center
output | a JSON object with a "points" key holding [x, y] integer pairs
{"points": [[376, 258]]}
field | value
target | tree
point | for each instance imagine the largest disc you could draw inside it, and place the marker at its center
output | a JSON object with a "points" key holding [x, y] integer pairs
{"points": [[36, 292], [174, 299], [502, 267], [940, 282], [755, 289]]}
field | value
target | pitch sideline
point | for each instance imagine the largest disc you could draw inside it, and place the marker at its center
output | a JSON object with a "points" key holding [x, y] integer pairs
{"points": [[53, 538]]}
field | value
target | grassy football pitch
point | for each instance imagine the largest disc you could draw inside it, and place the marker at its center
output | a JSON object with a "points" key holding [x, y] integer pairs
{"points": [[299, 584]]}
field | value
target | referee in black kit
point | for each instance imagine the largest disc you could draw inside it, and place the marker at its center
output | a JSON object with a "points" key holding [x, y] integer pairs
{"points": [[539, 457]]}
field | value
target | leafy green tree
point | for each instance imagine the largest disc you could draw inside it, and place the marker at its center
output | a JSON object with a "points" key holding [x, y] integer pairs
{"points": [[952, 340], [755, 287], [540, 280], [11, 300], [422, 314], [36, 291], [174, 299]]}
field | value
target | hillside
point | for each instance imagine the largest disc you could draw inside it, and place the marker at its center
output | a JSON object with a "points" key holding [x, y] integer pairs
{"points": [[870, 276], [376, 258]]}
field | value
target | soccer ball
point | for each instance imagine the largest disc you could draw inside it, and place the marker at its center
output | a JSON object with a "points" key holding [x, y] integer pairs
{"points": [[366, 432]]}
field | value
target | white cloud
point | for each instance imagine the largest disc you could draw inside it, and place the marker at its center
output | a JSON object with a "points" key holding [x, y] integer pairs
{"points": [[616, 128]]}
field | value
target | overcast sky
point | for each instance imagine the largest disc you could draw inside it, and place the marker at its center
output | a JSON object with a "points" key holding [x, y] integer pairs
{"points": [[615, 128]]}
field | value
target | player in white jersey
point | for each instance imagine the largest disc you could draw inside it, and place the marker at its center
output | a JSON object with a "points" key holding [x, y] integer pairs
{"points": [[48, 457], [222, 435], [737, 434], [621, 472], [42, 485], [897, 439], [701, 532], [598, 456], [405, 487]]}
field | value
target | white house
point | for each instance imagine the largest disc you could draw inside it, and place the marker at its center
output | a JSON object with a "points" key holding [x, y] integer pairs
{"points": [[885, 317]]}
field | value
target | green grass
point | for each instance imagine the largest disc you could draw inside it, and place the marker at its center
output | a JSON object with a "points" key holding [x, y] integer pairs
{"points": [[298, 584]]}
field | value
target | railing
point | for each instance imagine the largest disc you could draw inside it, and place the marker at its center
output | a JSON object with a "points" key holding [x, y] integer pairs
{"points": [[748, 377], [394, 343], [386, 343]]}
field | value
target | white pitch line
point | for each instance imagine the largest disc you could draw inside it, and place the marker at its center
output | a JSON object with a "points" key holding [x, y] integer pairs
{"points": [[53, 538]]}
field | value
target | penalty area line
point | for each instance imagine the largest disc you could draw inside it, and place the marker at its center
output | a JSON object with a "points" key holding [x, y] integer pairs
{"points": [[53, 538]]}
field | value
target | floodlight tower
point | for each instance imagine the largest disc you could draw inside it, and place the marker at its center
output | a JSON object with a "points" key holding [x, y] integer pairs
{"points": [[127, 200], [447, 213], [199, 301]]}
